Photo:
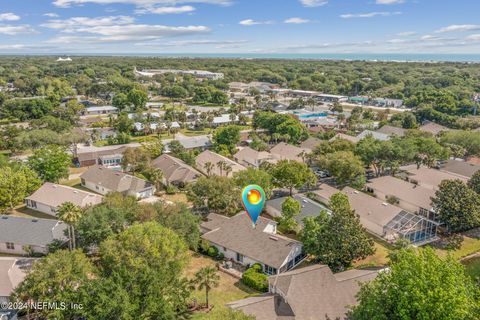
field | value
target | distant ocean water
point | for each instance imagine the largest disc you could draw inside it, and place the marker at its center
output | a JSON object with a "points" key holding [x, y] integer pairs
{"points": [[407, 57]]}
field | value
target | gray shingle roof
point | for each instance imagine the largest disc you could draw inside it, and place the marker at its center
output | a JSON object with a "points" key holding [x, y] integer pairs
{"points": [[391, 130], [175, 170], [309, 208], [214, 158], [28, 231], [115, 180], [237, 234], [54, 195], [307, 293], [460, 167]]}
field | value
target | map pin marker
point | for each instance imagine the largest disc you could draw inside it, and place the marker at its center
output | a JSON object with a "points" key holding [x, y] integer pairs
{"points": [[253, 200]]}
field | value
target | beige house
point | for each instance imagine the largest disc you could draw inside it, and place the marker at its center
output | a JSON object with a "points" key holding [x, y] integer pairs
{"points": [[211, 163], [253, 158], [50, 196], [313, 292], [175, 171], [428, 177], [104, 180], [433, 128], [286, 151], [12, 272], [410, 197], [239, 241]]}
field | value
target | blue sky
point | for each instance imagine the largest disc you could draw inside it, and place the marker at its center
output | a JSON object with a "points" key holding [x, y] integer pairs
{"points": [[239, 26]]}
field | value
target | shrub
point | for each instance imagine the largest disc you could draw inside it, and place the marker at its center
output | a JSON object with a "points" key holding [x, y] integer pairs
{"points": [[255, 279], [212, 251], [170, 189], [203, 246]]}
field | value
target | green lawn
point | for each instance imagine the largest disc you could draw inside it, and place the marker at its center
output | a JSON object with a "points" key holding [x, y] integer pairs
{"points": [[230, 288], [379, 258], [472, 267], [193, 133], [469, 246], [24, 212]]}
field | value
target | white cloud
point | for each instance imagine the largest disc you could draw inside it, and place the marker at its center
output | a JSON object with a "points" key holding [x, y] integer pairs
{"points": [[473, 37], [186, 43], [389, 1], [406, 34], [129, 33], [169, 10], [369, 14], [297, 20], [51, 15], [77, 24], [8, 16], [313, 3], [251, 22], [138, 3], [15, 30], [459, 28]]}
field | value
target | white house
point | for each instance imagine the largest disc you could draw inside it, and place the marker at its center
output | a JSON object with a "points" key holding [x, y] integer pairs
{"points": [[50, 196], [239, 241], [104, 180], [99, 110], [16, 234]]}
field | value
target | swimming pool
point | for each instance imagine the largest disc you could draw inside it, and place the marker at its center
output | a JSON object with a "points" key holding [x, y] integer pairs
{"points": [[312, 115]]}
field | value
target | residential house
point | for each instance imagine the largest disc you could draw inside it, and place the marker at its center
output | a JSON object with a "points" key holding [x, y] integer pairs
{"points": [[104, 180], [310, 143], [108, 156], [216, 161], [284, 151], [198, 142], [12, 272], [313, 292], [433, 128], [223, 120], [427, 177], [344, 137], [324, 193], [99, 110], [462, 168], [17, 233], [175, 171], [408, 196], [375, 134], [309, 208], [392, 131], [388, 221], [249, 157], [239, 241], [50, 196]]}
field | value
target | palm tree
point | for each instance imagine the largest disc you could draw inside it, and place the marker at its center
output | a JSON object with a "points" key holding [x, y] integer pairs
{"points": [[206, 278], [221, 166], [70, 214], [227, 168], [208, 167], [156, 177]]}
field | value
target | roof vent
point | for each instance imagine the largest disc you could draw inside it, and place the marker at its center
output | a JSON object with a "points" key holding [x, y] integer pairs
{"points": [[273, 238]]}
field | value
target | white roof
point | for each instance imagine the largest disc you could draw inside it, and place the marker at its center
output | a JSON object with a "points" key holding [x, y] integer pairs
{"points": [[102, 108]]}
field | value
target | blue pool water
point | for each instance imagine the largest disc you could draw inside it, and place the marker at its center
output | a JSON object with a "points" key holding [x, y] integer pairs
{"points": [[312, 115]]}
